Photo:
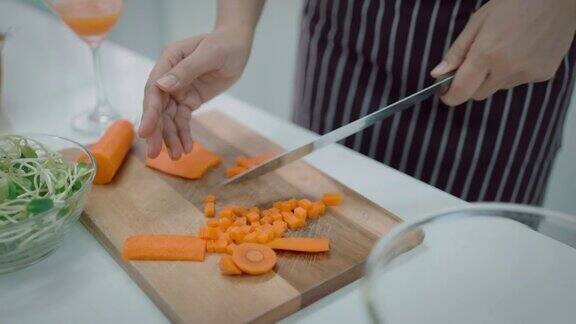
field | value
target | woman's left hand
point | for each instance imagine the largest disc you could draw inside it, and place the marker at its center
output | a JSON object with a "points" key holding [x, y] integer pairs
{"points": [[507, 43]]}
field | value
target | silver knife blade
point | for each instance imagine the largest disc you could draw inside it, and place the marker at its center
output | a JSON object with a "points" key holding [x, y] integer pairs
{"points": [[342, 132]]}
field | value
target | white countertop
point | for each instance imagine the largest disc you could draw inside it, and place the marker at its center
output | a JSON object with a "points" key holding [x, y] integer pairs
{"points": [[465, 272]]}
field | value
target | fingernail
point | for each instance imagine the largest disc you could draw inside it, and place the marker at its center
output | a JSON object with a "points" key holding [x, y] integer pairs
{"points": [[441, 68], [167, 81]]}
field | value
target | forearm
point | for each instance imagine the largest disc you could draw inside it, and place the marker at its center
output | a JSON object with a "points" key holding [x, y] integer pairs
{"points": [[241, 15]]}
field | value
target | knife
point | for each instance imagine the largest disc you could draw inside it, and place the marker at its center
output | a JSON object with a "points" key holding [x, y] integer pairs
{"points": [[441, 85]]}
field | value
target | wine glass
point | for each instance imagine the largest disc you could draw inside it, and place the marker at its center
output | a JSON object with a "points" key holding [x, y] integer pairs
{"points": [[92, 21]]}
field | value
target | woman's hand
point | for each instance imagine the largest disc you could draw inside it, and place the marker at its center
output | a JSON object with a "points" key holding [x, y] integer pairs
{"points": [[507, 43], [189, 73]]}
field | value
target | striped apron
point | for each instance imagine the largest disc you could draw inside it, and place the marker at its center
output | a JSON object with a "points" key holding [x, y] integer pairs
{"points": [[357, 56]]}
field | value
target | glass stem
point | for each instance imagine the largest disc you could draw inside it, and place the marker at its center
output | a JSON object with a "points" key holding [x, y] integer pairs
{"points": [[102, 105]]}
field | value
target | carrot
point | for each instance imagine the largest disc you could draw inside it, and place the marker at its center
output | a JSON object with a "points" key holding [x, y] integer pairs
{"points": [[220, 246], [244, 161], [210, 199], [279, 228], [246, 228], [266, 220], [252, 217], [317, 209], [332, 199], [276, 216], [293, 203], [227, 213], [265, 236], [283, 206], [191, 165], [208, 233], [209, 209], [164, 247], [230, 248], [225, 223], [293, 221], [237, 234], [259, 159], [253, 258], [111, 149], [213, 223], [240, 221], [251, 237], [210, 246], [233, 171], [300, 213], [304, 203], [300, 244], [228, 267]]}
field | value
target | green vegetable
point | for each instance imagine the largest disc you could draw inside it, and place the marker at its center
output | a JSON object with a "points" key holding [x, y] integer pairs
{"points": [[37, 206]]}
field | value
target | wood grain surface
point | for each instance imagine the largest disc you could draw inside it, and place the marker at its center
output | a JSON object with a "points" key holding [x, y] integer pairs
{"points": [[143, 201]]}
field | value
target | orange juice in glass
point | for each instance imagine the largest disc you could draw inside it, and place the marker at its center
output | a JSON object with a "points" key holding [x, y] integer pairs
{"points": [[91, 20]]}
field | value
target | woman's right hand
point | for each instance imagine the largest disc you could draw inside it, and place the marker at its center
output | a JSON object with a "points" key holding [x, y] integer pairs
{"points": [[189, 73]]}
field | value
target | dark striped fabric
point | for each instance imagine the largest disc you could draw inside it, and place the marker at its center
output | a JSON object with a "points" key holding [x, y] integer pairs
{"points": [[357, 56]]}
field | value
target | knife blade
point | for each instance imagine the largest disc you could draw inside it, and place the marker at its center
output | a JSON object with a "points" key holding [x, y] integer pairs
{"points": [[342, 132]]}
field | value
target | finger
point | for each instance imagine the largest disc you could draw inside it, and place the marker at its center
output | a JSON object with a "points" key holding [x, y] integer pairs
{"points": [[457, 52], [466, 82], [182, 121], [199, 62], [153, 106], [170, 133], [155, 142], [490, 85]]}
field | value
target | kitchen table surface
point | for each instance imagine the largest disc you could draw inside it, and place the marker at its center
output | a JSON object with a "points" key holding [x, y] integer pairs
{"points": [[512, 274]]}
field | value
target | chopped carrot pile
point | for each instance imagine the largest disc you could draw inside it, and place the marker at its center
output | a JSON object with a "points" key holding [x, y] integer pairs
{"points": [[164, 247], [111, 149], [244, 163], [245, 236], [192, 165]]}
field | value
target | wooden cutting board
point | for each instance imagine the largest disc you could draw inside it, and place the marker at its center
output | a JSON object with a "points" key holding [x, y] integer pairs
{"points": [[141, 201]]}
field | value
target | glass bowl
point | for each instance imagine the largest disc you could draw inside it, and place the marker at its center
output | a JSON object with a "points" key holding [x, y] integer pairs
{"points": [[469, 289], [25, 242]]}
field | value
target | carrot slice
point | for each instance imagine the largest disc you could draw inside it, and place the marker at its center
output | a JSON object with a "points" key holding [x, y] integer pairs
{"points": [[192, 165], [228, 267], [235, 170], [332, 199], [111, 149], [164, 247], [209, 209], [253, 258], [300, 244]]}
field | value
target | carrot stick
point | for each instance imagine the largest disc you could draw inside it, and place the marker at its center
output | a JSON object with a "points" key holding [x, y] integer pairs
{"points": [[300, 244], [111, 149], [164, 247]]}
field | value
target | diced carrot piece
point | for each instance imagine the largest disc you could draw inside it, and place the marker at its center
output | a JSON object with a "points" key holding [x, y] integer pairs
{"points": [[246, 228], [254, 209], [164, 247], [318, 209], [237, 234], [224, 236], [300, 244], [208, 233], [213, 223], [265, 227], [332, 199], [230, 248], [233, 171], [210, 246], [256, 223], [276, 216], [251, 238], [209, 209], [279, 228], [228, 267], [239, 210], [293, 203], [261, 158], [265, 212], [227, 213], [244, 161], [266, 220], [252, 217], [240, 221], [305, 203], [191, 165], [300, 213], [220, 246], [293, 221], [283, 206], [225, 223], [265, 236], [210, 199]]}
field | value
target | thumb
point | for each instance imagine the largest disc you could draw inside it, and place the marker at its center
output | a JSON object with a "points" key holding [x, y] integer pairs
{"points": [[194, 65], [457, 52]]}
